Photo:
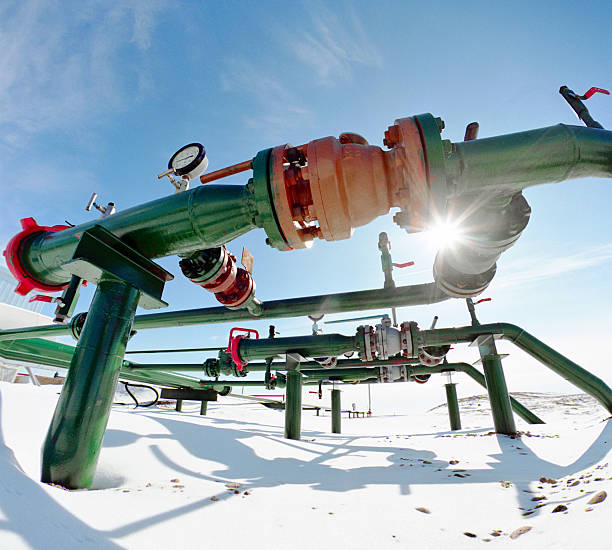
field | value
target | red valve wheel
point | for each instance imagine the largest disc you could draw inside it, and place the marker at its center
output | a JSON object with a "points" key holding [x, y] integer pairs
{"points": [[232, 345]]}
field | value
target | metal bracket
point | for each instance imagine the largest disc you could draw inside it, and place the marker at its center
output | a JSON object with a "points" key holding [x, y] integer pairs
{"points": [[188, 394], [99, 251]]}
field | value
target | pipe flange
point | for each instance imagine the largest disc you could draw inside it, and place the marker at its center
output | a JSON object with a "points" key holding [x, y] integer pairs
{"points": [[12, 253]]}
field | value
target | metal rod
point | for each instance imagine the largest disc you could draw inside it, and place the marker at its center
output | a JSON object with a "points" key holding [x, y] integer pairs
{"points": [[203, 408], [179, 405], [335, 412], [498, 395], [453, 406], [180, 350], [73, 442], [227, 171]]}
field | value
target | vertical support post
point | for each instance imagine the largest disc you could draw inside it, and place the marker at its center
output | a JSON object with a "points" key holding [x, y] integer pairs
{"points": [[179, 405], [293, 405], [203, 408], [335, 411], [453, 406], [501, 408], [72, 446]]}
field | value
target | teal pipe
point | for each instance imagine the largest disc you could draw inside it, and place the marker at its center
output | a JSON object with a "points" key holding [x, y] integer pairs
{"points": [[72, 445], [498, 395], [559, 364]]}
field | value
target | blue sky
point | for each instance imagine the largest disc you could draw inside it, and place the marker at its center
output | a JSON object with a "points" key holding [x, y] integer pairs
{"points": [[97, 98]]}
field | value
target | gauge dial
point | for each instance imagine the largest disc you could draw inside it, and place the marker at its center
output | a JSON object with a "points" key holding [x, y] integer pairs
{"points": [[189, 161]]}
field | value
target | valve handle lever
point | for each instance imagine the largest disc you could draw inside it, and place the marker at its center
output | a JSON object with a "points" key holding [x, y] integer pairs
{"points": [[575, 102]]}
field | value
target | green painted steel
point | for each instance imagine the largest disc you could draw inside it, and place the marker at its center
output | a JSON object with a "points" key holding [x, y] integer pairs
{"points": [[453, 406], [498, 395], [512, 162], [293, 405], [72, 446], [203, 217], [203, 408], [413, 295], [517, 407], [336, 422], [264, 202], [325, 345], [179, 405], [561, 365], [37, 350]]}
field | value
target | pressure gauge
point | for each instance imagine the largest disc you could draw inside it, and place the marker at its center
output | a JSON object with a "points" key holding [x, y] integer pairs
{"points": [[189, 161]]}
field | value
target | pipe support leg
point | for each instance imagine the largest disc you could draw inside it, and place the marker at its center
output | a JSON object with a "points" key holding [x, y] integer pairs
{"points": [[453, 406], [293, 405], [498, 395], [335, 411], [72, 446]]}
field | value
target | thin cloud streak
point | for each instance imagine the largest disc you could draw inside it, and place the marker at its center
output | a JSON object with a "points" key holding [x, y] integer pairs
{"points": [[59, 62], [538, 268], [333, 44]]}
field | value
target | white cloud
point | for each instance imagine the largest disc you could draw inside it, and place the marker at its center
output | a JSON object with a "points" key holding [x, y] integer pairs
{"points": [[537, 268], [333, 44], [59, 61]]}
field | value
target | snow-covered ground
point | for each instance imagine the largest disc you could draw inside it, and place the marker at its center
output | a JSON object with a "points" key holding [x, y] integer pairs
{"points": [[179, 480]]}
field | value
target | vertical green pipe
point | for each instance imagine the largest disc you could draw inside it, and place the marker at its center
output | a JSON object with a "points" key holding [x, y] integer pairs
{"points": [[498, 395], [517, 407], [335, 411], [179, 405], [72, 446], [293, 405], [203, 408], [453, 406]]}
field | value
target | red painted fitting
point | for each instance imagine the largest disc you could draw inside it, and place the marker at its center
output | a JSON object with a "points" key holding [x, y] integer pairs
{"points": [[12, 253], [231, 285], [232, 345]]}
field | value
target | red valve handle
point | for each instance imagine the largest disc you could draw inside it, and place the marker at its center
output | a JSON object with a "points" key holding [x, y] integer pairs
{"points": [[482, 300], [407, 264], [41, 298], [592, 91], [232, 345]]}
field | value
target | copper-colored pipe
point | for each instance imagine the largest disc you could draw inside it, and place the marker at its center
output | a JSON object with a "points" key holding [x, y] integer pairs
{"points": [[227, 171]]}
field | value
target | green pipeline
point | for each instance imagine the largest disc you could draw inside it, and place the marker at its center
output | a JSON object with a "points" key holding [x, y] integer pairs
{"points": [[413, 295], [556, 362], [512, 162], [203, 217]]}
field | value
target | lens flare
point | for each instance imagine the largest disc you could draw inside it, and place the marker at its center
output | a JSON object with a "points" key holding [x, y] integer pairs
{"points": [[444, 234]]}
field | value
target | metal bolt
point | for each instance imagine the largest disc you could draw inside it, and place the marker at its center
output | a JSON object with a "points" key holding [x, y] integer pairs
{"points": [[440, 123]]}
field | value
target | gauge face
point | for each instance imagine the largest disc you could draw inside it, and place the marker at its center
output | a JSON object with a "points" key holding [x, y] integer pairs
{"points": [[189, 161], [185, 157]]}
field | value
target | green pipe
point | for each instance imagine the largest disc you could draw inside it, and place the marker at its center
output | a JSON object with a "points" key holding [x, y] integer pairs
{"points": [[335, 412], [203, 408], [293, 405], [203, 217], [453, 406], [556, 362], [498, 395], [413, 295], [179, 405], [73, 442], [517, 407], [512, 162], [325, 345]]}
